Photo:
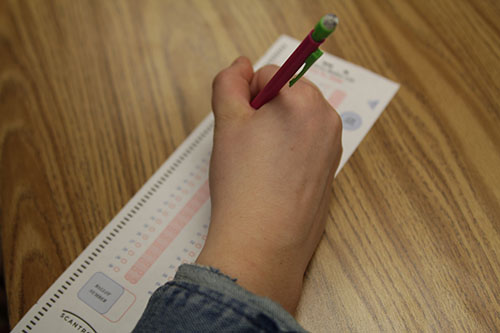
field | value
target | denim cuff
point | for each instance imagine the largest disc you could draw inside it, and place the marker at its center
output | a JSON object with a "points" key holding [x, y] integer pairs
{"points": [[212, 278]]}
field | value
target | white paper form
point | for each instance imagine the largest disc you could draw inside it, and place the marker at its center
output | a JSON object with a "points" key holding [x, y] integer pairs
{"points": [[165, 224]]}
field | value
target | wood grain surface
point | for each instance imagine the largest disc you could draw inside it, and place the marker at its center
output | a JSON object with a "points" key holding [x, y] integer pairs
{"points": [[95, 95]]}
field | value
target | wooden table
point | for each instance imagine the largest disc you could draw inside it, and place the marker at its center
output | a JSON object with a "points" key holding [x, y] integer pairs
{"points": [[95, 95]]}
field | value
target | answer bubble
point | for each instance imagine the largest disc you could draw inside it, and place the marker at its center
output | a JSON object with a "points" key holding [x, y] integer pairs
{"points": [[351, 121]]}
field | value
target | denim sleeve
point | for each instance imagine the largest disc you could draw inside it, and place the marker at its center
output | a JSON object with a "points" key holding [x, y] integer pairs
{"points": [[201, 299]]}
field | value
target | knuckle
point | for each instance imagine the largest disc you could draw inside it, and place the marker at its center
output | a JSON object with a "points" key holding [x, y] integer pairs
{"points": [[219, 79], [333, 122], [336, 120], [312, 92], [269, 69], [335, 126], [266, 73], [307, 97], [314, 87]]}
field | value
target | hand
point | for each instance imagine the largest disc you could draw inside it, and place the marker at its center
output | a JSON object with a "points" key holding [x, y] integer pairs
{"points": [[270, 181]]}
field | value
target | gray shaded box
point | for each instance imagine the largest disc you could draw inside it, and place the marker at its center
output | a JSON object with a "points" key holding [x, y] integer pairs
{"points": [[100, 292]]}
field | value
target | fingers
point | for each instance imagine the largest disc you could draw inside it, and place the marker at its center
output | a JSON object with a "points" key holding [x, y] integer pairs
{"points": [[231, 88], [265, 74], [261, 78]]}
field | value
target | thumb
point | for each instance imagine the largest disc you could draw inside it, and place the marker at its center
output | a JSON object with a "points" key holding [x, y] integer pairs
{"points": [[231, 88]]}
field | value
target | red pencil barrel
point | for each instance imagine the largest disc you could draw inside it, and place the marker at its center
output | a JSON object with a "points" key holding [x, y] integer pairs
{"points": [[286, 72]]}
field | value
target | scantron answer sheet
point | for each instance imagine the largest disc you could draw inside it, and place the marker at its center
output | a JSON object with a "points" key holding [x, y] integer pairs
{"points": [[165, 224]]}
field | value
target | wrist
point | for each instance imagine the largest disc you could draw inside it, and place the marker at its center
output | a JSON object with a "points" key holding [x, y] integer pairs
{"points": [[258, 269]]}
